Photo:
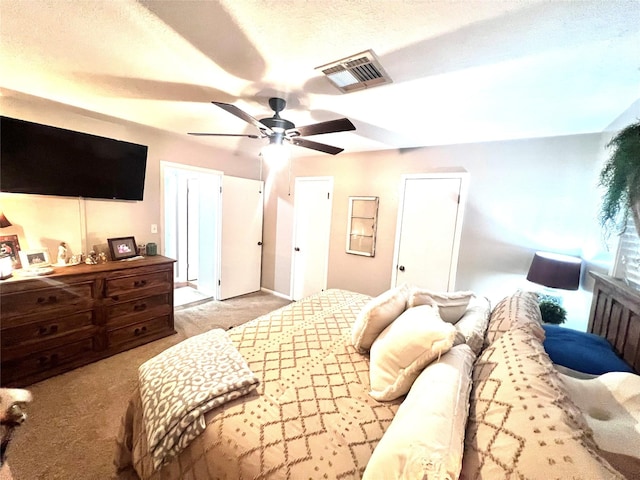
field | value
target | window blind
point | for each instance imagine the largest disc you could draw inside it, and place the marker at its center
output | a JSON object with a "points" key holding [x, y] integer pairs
{"points": [[627, 264]]}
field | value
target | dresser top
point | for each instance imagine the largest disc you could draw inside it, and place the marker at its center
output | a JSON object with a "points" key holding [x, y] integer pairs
{"points": [[83, 268]]}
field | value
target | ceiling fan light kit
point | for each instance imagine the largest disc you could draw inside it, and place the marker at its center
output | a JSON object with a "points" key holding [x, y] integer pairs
{"points": [[279, 130], [275, 154]]}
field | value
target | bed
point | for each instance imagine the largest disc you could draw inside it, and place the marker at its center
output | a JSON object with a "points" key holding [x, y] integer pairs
{"points": [[486, 402]]}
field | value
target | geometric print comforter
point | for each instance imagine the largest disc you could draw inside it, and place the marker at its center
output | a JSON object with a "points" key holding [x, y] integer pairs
{"points": [[310, 416]]}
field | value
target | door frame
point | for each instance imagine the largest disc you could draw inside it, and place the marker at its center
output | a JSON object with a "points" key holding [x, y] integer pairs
{"points": [[463, 176], [164, 166], [296, 212]]}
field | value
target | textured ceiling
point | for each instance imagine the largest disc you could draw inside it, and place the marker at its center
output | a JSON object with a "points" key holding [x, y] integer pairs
{"points": [[462, 72]]}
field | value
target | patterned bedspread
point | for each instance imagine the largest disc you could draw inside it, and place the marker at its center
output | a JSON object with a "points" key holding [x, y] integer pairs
{"points": [[310, 417]]}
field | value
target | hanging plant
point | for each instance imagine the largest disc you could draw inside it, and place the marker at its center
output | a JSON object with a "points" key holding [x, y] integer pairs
{"points": [[620, 178]]}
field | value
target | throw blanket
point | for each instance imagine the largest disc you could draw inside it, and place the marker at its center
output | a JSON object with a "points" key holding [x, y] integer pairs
{"points": [[181, 384]]}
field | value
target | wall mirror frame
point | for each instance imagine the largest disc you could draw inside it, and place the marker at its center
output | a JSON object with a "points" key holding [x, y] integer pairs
{"points": [[362, 223]]}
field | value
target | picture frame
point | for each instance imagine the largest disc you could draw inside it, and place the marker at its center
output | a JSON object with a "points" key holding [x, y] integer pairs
{"points": [[121, 248], [9, 245], [36, 258]]}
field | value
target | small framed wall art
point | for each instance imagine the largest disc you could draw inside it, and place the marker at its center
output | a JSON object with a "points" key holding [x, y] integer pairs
{"points": [[9, 245], [362, 221], [37, 258], [122, 247]]}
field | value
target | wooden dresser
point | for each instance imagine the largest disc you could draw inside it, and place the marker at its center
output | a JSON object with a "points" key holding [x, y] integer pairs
{"points": [[82, 313]]}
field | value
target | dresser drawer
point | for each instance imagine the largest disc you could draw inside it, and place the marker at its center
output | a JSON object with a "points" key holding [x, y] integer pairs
{"points": [[46, 360], [131, 286], [42, 300], [138, 332], [121, 314], [46, 329]]}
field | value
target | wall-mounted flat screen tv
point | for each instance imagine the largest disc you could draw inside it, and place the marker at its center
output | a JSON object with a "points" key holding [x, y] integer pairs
{"points": [[45, 160]]}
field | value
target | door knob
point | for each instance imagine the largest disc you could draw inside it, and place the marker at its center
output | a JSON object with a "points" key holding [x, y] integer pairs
{"points": [[259, 243], [401, 268], [297, 249]]}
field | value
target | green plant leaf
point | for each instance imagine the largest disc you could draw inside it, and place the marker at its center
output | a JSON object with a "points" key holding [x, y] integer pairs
{"points": [[620, 177], [552, 312]]}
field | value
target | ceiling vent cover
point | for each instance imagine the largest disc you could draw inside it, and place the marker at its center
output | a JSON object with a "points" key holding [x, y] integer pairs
{"points": [[359, 71]]}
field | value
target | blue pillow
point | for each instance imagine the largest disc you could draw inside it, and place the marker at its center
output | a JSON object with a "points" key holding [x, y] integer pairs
{"points": [[581, 351]]}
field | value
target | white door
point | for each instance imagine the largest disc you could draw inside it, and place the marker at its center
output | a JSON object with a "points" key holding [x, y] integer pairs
{"points": [[312, 228], [428, 232], [208, 231], [241, 245], [193, 228]]}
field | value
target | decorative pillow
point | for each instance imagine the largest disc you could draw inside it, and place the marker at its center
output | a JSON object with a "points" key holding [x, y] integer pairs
{"points": [[376, 315], [581, 351], [425, 438], [452, 305], [473, 324], [522, 423], [519, 309], [404, 348], [611, 406]]}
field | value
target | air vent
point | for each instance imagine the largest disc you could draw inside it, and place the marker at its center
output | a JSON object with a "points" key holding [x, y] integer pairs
{"points": [[359, 71]]}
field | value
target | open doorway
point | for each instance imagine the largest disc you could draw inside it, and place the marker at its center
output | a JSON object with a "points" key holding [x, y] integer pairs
{"points": [[191, 216]]}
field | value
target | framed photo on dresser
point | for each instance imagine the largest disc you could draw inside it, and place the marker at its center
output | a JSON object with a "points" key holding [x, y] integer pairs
{"points": [[37, 258], [9, 245], [122, 247]]}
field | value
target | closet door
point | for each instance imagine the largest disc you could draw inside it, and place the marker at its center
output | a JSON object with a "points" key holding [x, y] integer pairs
{"points": [[430, 215], [312, 230]]}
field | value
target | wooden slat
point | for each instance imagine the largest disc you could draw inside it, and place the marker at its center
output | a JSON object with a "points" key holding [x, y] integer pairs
{"points": [[631, 350], [615, 315]]}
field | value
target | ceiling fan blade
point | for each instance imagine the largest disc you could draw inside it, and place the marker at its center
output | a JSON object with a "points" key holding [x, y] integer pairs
{"points": [[232, 109], [321, 147], [331, 126], [223, 135]]}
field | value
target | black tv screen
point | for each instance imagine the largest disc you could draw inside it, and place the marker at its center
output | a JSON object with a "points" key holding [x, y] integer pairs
{"points": [[45, 160]]}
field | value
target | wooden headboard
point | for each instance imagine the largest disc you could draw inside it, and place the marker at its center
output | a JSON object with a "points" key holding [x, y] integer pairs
{"points": [[615, 315]]}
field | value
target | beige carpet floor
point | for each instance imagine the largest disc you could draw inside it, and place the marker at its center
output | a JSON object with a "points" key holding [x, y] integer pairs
{"points": [[74, 418]]}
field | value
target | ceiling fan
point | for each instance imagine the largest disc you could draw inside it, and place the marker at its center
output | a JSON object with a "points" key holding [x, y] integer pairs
{"points": [[279, 130]]}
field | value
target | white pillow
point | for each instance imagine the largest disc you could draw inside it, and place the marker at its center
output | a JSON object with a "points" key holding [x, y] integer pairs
{"points": [[426, 436], [473, 324], [452, 305], [404, 348], [376, 315]]}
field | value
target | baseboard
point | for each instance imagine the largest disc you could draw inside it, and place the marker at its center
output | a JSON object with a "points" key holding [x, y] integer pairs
{"points": [[277, 294]]}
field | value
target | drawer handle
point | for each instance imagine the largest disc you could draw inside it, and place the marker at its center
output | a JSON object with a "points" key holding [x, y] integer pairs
{"points": [[140, 331], [42, 331], [139, 307], [51, 360], [46, 301], [139, 283]]}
